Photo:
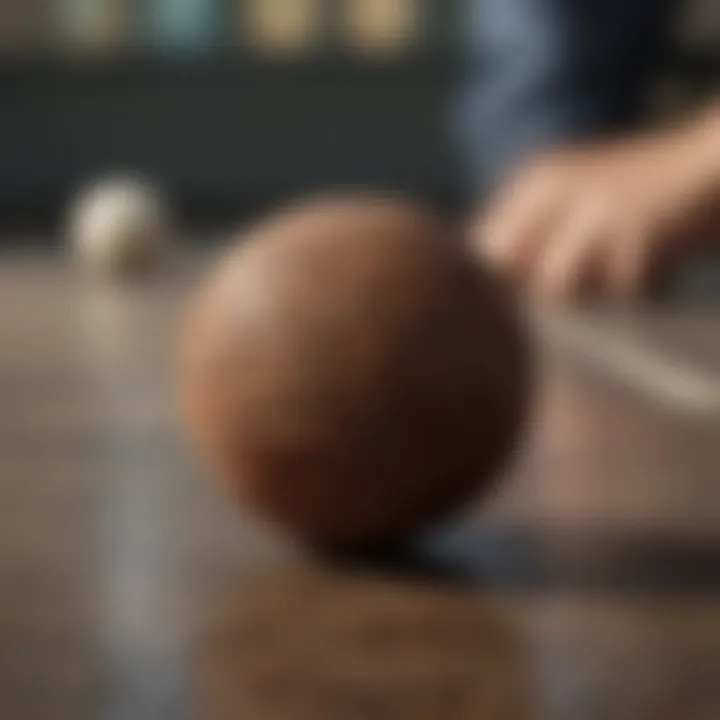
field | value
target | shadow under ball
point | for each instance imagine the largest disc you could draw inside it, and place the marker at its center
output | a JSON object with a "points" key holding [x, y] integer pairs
{"points": [[351, 373]]}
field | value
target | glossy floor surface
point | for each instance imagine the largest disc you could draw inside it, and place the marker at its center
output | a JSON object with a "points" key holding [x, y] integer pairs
{"points": [[588, 588]]}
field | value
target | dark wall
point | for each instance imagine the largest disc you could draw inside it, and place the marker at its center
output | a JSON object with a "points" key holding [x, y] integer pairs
{"points": [[231, 134], [220, 134]]}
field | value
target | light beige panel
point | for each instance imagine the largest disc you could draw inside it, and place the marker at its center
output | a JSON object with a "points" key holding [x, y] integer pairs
{"points": [[96, 25], [381, 25], [281, 26]]}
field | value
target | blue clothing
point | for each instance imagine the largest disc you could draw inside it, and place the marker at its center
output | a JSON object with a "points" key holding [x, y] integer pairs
{"points": [[547, 71]]}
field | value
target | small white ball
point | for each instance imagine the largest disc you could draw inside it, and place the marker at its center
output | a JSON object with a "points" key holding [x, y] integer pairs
{"points": [[120, 226]]}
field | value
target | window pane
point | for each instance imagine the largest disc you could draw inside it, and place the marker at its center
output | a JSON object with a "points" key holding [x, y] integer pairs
{"points": [[282, 25], [382, 25], [185, 25], [91, 24]]}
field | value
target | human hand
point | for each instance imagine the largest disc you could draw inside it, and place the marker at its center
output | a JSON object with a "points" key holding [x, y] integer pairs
{"points": [[603, 218]]}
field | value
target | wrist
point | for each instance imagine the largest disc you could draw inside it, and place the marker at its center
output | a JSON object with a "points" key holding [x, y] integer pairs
{"points": [[704, 137], [706, 134]]}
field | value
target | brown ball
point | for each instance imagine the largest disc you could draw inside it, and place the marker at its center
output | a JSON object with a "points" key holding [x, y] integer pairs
{"points": [[351, 373]]}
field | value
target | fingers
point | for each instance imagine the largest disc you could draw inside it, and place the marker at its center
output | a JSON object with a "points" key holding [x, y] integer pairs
{"points": [[513, 231], [568, 226], [549, 240], [570, 252], [571, 260], [628, 265]]}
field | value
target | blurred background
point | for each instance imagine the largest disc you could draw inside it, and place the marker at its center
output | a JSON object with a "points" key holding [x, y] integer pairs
{"points": [[235, 104], [129, 588]]}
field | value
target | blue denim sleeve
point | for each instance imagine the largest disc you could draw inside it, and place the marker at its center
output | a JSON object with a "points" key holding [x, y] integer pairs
{"points": [[542, 72]]}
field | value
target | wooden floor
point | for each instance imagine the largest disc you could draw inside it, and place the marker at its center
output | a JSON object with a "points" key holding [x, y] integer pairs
{"points": [[589, 588]]}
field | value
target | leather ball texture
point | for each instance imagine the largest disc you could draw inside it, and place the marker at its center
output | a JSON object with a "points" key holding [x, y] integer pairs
{"points": [[351, 373]]}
